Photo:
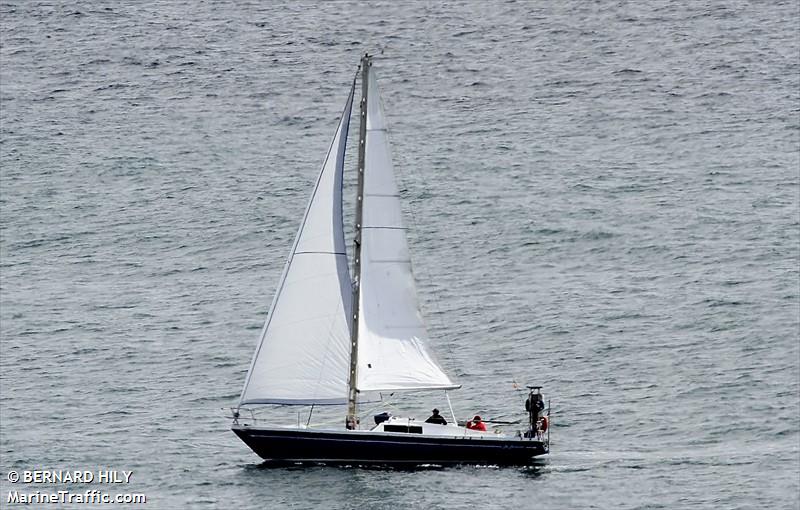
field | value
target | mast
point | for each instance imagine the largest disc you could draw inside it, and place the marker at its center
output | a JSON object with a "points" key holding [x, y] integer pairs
{"points": [[352, 391]]}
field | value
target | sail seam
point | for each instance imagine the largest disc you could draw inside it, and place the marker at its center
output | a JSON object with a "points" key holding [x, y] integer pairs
{"points": [[304, 320], [319, 253]]}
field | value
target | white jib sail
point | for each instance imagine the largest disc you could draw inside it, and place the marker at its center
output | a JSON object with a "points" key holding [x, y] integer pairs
{"points": [[303, 356], [392, 352]]}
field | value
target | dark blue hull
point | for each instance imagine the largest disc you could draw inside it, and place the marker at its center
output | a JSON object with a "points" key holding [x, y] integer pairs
{"points": [[382, 448]]}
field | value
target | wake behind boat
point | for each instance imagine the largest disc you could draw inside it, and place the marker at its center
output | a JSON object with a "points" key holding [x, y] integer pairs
{"points": [[330, 339]]}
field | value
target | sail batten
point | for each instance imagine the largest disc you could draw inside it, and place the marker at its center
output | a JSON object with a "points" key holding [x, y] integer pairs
{"points": [[303, 352]]}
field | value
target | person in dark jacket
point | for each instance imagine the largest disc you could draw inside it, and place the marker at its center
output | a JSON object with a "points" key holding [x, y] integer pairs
{"points": [[436, 418]]}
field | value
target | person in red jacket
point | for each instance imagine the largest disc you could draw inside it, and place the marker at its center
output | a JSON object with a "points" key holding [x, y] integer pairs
{"points": [[476, 424]]}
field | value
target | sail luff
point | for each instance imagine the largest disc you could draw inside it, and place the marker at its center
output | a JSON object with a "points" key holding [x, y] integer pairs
{"points": [[352, 381], [318, 255]]}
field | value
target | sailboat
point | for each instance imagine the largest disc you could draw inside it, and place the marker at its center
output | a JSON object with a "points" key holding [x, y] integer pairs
{"points": [[333, 339]]}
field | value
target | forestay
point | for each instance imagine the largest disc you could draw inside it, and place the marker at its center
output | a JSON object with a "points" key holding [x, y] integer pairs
{"points": [[392, 352], [304, 351]]}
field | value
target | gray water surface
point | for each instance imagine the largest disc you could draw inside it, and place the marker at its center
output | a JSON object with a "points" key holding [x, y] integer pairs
{"points": [[603, 199]]}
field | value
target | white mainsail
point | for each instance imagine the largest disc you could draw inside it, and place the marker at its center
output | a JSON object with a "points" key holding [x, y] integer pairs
{"points": [[392, 352], [304, 352]]}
